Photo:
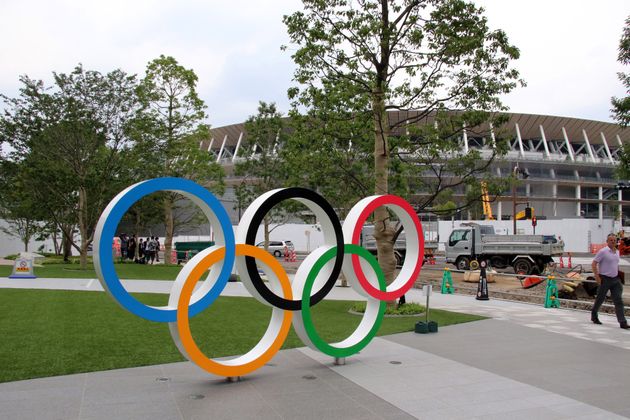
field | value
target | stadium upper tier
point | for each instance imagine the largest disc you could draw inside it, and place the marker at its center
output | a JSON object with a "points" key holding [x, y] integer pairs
{"points": [[570, 162]]}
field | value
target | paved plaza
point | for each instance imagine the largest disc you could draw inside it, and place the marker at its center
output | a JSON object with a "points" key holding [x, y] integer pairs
{"points": [[524, 362]]}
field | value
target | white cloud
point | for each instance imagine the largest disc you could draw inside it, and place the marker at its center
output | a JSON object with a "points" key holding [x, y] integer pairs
{"points": [[568, 48]]}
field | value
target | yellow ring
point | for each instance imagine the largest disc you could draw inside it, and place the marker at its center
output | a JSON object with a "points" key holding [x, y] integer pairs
{"points": [[183, 325]]}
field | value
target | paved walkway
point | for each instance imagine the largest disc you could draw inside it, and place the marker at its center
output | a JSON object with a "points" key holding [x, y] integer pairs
{"points": [[526, 362]]}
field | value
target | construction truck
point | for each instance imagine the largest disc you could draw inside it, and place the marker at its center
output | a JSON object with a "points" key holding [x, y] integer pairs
{"points": [[400, 247], [526, 254]]}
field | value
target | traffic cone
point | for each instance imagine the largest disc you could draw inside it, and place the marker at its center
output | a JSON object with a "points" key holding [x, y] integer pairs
{"points": [[447, 282], [551, 294], [286, 254], [482, 288], [293, 256]]}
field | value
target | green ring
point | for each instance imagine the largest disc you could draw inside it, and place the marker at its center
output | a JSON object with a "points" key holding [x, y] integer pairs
{"points": [[321, 345]]}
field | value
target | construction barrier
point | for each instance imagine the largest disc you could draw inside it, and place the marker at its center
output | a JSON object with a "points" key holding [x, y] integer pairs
{"points": [[447, 282], [482, 288], [289, 255], [551, 293]]}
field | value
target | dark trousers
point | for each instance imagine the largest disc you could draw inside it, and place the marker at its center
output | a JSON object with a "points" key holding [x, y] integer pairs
{"points": [[614, 285]]}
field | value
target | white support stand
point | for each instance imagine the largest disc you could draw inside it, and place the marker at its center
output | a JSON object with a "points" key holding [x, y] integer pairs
{"points": [[465, 141], [221, 150], [238, 144], [520, 140], [588, 146], [544, 139], [568, 144], [340, 361], [610, 157]]}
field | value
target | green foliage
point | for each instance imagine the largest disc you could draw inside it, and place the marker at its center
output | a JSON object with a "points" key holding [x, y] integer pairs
{"points": [[355, 62], [621, 106], [259, 166], [169, 130], [69, 141]]}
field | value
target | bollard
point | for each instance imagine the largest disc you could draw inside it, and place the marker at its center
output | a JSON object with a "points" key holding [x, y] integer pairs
{"points": [[286, 254], [570, 260], [561, 262], [447, 282], [551, 293], [482, 288]]}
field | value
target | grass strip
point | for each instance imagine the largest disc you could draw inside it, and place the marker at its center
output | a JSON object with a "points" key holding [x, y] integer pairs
{"points": [[128, 271], [55, 332]]}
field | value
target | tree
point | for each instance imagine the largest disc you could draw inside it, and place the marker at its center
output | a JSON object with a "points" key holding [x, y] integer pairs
{"points": [[621, 106], [69, 140], [261, 166], [361, 59], [169, 131], [18, 205]]}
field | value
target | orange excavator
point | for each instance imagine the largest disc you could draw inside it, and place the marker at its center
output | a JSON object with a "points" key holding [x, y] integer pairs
{"points": [[485, 199]]}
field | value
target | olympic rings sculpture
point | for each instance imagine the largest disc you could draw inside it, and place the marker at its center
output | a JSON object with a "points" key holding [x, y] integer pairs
{"points": [[290, 301]]}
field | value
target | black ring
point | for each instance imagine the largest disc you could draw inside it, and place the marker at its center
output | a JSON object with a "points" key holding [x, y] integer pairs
{"points": [[250, 239]]}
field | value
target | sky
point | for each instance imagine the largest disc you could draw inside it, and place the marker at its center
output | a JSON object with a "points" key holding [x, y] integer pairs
{"points": [[568, 48]]}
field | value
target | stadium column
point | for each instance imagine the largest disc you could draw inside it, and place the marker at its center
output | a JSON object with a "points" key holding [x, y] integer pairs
{"points": [[601, 203], [578, 206], [554, 192]]}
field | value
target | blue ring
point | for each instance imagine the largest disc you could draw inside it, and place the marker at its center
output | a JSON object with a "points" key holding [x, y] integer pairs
{"points": [[135, 193]]}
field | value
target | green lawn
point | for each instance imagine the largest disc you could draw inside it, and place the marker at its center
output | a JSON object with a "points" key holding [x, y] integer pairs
{"points": [[52, 332], [125, 271]]}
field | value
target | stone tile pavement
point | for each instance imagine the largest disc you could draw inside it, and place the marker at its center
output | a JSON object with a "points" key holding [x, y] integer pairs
{"points": [[526, 362]]}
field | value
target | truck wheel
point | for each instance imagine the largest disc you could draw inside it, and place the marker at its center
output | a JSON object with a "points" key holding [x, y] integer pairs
{"points": [[462, 263], [521, 265]]}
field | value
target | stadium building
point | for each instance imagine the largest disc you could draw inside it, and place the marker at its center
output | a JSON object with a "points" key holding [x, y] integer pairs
{"points": [[566, 165]]}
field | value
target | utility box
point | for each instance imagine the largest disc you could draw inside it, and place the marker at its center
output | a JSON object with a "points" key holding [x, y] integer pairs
{"points": [[186, 250]]}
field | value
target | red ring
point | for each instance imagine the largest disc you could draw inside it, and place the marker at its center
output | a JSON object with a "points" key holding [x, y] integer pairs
{"points": [[356, 234]]}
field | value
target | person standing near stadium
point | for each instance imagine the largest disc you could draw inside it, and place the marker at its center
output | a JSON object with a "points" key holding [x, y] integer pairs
{"points": [[606, 270]]}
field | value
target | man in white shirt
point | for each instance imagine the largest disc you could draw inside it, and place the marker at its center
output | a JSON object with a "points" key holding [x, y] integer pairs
{"points": [[606, 269]]}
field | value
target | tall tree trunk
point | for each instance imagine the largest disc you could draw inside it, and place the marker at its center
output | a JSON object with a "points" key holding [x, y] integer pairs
{"points": [[83, 228], [170, 227], [56, 243], [383, 231], [67, 246]]}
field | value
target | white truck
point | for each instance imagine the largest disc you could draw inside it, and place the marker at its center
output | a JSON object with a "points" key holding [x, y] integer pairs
{"points": [[525, 253], [400, 248]]}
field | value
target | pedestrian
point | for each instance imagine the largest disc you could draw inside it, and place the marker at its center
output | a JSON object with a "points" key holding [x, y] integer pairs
{"points": [[123, 246], [606, 270], [141, 248], [131, 248], [150, 250], [157, 249]]}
